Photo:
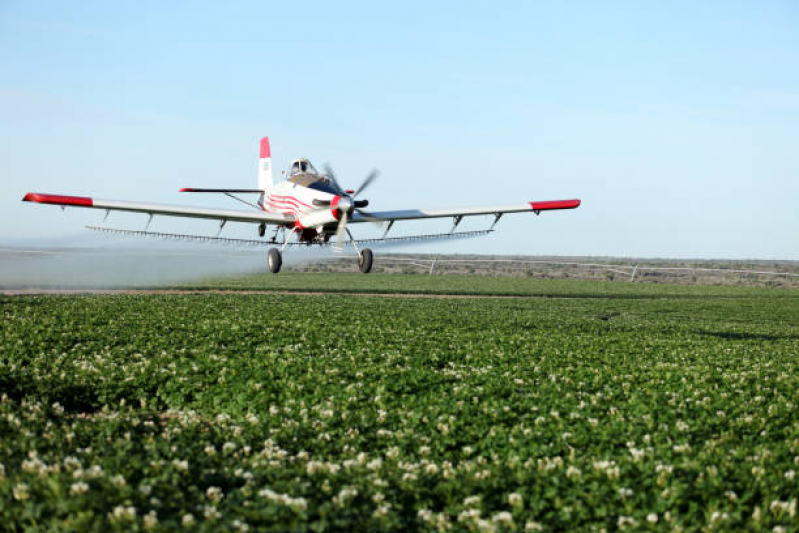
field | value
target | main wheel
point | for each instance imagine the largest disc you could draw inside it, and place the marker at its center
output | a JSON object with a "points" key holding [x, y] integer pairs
{"points": [[275, 260], [365, 259]]}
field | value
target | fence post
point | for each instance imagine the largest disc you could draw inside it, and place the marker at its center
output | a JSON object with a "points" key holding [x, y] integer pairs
{"points": [[433, 265]]}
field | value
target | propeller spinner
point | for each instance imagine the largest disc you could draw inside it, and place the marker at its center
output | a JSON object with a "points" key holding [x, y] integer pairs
{"points": [[345, 204]]}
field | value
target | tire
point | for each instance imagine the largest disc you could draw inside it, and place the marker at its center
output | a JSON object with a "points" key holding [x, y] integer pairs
{"points": [[365, 260], [275, 260]]}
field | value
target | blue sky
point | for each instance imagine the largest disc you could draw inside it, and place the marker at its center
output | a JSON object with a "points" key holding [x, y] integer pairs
{"points": [[676, 123]]}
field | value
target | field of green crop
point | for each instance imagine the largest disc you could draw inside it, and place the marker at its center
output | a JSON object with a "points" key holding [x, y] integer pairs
{"points": [[612, 407], [477, 285]]}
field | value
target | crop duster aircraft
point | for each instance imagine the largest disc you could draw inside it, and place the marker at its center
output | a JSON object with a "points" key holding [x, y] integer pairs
{"points": [[307, 207]]}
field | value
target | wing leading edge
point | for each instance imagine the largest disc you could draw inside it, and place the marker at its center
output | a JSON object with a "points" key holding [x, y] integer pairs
{"points": [[411, 214], [231, 215]]}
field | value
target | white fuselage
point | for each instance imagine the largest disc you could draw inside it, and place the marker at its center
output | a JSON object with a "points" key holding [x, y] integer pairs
{"points": [[296, 200]]}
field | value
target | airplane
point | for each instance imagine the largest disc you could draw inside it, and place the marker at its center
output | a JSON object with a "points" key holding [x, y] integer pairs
{"points": [[308, 207]]}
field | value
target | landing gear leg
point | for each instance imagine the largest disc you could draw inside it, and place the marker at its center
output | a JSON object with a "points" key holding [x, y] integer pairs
{"points": [[275, 260], [365, 260]]}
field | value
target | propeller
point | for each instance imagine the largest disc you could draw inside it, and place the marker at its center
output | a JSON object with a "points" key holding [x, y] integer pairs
{"points": [[346, 203]]}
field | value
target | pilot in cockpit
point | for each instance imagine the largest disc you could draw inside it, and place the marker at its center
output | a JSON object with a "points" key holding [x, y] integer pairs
{"points": [[303, 166]]}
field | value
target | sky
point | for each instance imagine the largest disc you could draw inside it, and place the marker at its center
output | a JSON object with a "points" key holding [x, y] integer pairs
{"points": [[675, 123]]}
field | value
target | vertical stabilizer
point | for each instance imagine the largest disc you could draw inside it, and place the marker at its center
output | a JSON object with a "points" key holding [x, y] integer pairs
{"points": [[265, 166]]}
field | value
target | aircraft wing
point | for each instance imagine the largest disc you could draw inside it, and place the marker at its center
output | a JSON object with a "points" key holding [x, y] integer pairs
{"points": [[231, 215], [411, 214]]}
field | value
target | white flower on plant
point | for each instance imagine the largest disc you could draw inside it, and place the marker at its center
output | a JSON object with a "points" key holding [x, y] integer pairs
{"points": [[503, 518], [638, 454], [118, 481], [21, 492], [469, 515], [210, 512], [471, 501], [210, 450], [240, 526], [382, 510], [298, 504], [573, 472], [78, 488], [626, 522], [228, 447], [718, 516], [681, 448], [652, 518], [187, 520], [344, 495], [183, 465], [779, 507], [625, 492], [71, 462], [790, 475], [515, 499], [431, 468], [214, 494], [121, 513], [533, 526], [150, 520]]}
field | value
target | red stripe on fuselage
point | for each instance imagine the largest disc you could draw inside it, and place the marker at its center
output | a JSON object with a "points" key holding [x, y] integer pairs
{"points": [[280, 197], [58, 199]]}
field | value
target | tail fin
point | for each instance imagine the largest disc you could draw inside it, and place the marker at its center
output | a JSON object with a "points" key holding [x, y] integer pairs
{"points": [[265, 166]]}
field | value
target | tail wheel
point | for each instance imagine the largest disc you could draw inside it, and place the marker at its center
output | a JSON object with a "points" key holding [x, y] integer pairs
{"points": [[275, 260], [365, 259]]}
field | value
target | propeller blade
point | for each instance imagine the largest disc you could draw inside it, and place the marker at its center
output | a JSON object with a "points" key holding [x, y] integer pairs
{"points": [[361, 203], [342, 226], [328, 170], [369, 179]]}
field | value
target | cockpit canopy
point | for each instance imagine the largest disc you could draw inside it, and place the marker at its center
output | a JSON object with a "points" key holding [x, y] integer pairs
{"points": [[303, 173], [301, 166]]}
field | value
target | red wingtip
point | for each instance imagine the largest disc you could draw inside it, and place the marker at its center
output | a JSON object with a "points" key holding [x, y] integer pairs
{"points": [[265, 151], [554, 204], [58, 199], [186, 189]]}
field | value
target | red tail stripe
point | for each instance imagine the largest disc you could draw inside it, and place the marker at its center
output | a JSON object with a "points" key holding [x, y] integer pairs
{"points": [[555, 204], [265, 151], [58, 199]]}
